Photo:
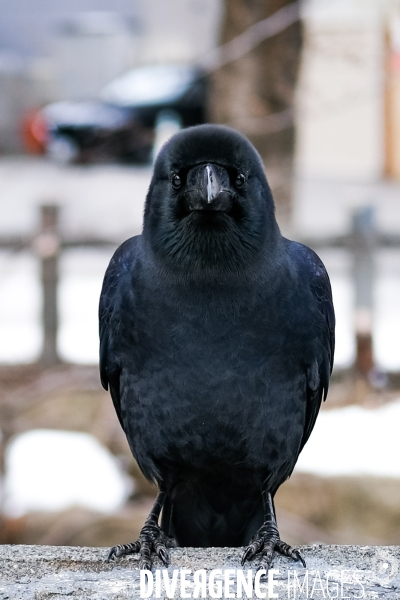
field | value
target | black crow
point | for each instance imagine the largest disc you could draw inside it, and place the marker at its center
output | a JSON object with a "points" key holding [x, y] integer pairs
{"points": [[216, 343]]}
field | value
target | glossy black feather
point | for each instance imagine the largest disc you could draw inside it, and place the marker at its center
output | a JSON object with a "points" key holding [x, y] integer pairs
{"points": [[111, 320], [318, 383], [217, 343]]}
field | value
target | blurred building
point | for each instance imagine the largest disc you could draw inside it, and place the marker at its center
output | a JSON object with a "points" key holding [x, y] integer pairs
{"points": [[178, 30], [91, 49], [69, 49], [33, 71], [349, 97], [392, 92], [28, 28]]}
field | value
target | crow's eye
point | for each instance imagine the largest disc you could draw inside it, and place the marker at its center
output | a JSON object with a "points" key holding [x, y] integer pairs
{"points": [[240, 180], [176, 181]]}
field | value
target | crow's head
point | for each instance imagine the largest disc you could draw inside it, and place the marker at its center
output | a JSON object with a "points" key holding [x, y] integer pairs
{"points": [[209, 206]]}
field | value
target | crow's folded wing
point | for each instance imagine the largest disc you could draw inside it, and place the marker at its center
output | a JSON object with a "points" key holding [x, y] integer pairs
{"points": [[318, 373], [110, 318]]}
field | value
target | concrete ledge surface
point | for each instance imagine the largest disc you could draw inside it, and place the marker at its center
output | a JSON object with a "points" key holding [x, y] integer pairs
{"points": [[55, 573]]}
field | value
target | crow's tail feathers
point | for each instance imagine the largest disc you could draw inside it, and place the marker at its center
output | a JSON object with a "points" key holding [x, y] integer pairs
{"points": [[195, 519]]}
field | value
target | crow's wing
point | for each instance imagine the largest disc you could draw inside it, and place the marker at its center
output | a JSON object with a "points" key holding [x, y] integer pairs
{"points": [[110, 318], [319, 372]]}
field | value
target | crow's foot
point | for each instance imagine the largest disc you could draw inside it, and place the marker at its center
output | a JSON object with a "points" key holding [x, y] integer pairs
{"points": [[151, 539], [265, 543]]}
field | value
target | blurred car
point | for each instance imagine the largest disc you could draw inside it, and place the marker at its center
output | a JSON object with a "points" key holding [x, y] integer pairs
{"points": [[121, 125]]}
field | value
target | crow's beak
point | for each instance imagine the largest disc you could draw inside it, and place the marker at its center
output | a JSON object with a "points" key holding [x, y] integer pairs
{"points": [[208, 188], [213, 186]]}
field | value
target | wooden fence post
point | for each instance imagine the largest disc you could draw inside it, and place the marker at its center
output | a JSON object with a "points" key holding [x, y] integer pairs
{"points": [[363, 244], [47, 246]]}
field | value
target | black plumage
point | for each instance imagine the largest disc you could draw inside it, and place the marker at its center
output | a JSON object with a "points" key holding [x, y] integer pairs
{"points": [[216, 343]]}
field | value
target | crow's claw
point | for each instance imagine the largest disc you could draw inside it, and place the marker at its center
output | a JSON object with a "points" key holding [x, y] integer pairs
{"points": [[247, 555], [151, 539], [267, 556], [256, 544], [297, 556], [266, 545], [123, 550], [287, 550], [161, 552]]}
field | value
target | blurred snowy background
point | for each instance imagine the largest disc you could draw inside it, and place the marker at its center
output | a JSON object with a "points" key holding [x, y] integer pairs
{"points": [[329, 134]]}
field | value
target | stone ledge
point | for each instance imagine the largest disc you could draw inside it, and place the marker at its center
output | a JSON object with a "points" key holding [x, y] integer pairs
{"points": [[54, 573]]}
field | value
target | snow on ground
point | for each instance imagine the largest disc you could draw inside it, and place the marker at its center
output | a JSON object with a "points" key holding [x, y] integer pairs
{"points": [[50, 470], [82, 273], [354, 441]]}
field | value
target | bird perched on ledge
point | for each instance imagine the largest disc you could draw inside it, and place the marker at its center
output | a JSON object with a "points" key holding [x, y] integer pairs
{"points": [[216, 343]]}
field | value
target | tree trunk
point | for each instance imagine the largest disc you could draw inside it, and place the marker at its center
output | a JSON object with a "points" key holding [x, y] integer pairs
{"points": [[255, 93]]}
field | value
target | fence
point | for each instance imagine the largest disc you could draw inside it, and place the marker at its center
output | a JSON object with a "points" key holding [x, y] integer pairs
{"points": [[361, 242]]}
